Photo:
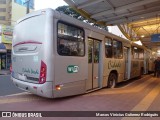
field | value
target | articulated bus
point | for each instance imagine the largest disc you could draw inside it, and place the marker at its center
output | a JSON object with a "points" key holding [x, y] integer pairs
{"points": [[55, 55]]}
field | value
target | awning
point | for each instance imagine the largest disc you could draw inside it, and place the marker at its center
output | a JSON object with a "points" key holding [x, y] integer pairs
{"points": [[2, 48]]}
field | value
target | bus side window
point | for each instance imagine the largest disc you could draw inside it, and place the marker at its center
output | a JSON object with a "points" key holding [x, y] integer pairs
{"points": [[117, 49], [108, 48], [70, 40], [60, 48], [135, 52], [141, 53]]}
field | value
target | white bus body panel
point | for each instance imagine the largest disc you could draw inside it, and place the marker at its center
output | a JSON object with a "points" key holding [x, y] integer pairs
{"points": [[38, 31], [35, 40], [32, 44], [45, 90]]}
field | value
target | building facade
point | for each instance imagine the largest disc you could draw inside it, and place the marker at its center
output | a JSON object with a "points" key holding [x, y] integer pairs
{"points": [[10, 12]]}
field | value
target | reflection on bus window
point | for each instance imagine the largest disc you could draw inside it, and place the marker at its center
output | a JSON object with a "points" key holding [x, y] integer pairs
{"points": [[90, 44], [96, 52], [117, 49], [141, 53], [70, 40], [108, 48], [135, 52], [138, 53]]}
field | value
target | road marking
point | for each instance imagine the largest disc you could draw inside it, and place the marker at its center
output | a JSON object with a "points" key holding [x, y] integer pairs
{"points": [[145, 77], [122, 91], [22, 93], [145, 103], [17, 100]]}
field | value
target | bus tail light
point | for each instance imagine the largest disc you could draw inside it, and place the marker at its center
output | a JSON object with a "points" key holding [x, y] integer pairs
{"points": [[58, 87], [43, 73]]}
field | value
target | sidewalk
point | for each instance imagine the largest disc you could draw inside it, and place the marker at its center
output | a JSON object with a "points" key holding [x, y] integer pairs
{"points": [[4, 72]]}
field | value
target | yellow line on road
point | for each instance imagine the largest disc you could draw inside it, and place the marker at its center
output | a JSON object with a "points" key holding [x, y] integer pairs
{"points": [[144, 104], [18, 99], [122, 91]]}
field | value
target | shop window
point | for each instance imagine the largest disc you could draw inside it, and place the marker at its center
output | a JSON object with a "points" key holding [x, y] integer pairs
{"points": [[3, 61], [8, 59], [2, 9], [2, 1], [2, 17]]}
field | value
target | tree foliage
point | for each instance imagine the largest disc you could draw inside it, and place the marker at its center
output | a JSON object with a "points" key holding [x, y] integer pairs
{"points": [[71, 12]]}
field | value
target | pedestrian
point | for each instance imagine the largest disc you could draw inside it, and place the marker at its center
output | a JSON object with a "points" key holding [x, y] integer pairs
{"points": [[155, 67], [158, 67]]}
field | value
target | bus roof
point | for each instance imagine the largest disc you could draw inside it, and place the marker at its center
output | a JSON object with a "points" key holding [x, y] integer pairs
{"points": [[68, 19]]}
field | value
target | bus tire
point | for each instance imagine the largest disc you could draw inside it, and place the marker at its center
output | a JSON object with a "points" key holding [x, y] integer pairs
{"points": [[112, 80]]}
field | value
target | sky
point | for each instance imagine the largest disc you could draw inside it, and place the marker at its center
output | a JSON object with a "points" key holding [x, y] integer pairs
{"points": [[41, 4]]}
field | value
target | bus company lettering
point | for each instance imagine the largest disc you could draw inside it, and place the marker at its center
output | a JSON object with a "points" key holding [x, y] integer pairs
{"points": [[72, 69], [30, 71], [114, 64]]}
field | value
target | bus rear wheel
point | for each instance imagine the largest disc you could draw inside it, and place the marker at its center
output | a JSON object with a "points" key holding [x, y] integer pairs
{"points": [[112, 80]]}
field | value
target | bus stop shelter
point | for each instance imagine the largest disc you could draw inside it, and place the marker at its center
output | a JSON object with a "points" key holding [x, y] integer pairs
{"points": [[137, 19]]}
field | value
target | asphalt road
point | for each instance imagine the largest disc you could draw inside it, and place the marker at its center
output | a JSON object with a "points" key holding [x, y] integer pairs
{"points": [[7, 87]]}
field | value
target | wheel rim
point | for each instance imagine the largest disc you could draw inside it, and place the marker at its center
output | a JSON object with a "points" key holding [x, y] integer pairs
{"points": [[112, 81]]}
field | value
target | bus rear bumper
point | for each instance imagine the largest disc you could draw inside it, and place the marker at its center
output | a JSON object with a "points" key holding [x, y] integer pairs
{"points": [[44, 90], [70, 89]]}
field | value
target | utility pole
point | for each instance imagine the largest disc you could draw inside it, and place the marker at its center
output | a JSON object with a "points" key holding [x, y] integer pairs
{"points": [[27, 2]]}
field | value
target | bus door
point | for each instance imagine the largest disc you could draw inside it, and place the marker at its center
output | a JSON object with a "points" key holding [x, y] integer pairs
{"points": [[93, 64], [126, 56]]}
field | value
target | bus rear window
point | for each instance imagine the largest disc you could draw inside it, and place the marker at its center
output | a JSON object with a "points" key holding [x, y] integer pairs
{"points": [[30, 29], [70, 40]]}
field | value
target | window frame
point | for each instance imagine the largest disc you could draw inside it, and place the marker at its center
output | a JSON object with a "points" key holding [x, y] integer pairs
{"points": [[3, 10], [3, 2]]}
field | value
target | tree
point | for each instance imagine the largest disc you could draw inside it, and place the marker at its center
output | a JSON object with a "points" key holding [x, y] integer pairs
{"points": [[71, 12]]}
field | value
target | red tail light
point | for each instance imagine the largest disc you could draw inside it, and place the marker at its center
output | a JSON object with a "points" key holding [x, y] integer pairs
{"points": [[43, 73], [10, 68]]}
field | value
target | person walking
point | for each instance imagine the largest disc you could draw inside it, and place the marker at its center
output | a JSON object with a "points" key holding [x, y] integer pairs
{"points": [[157, 67]]}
